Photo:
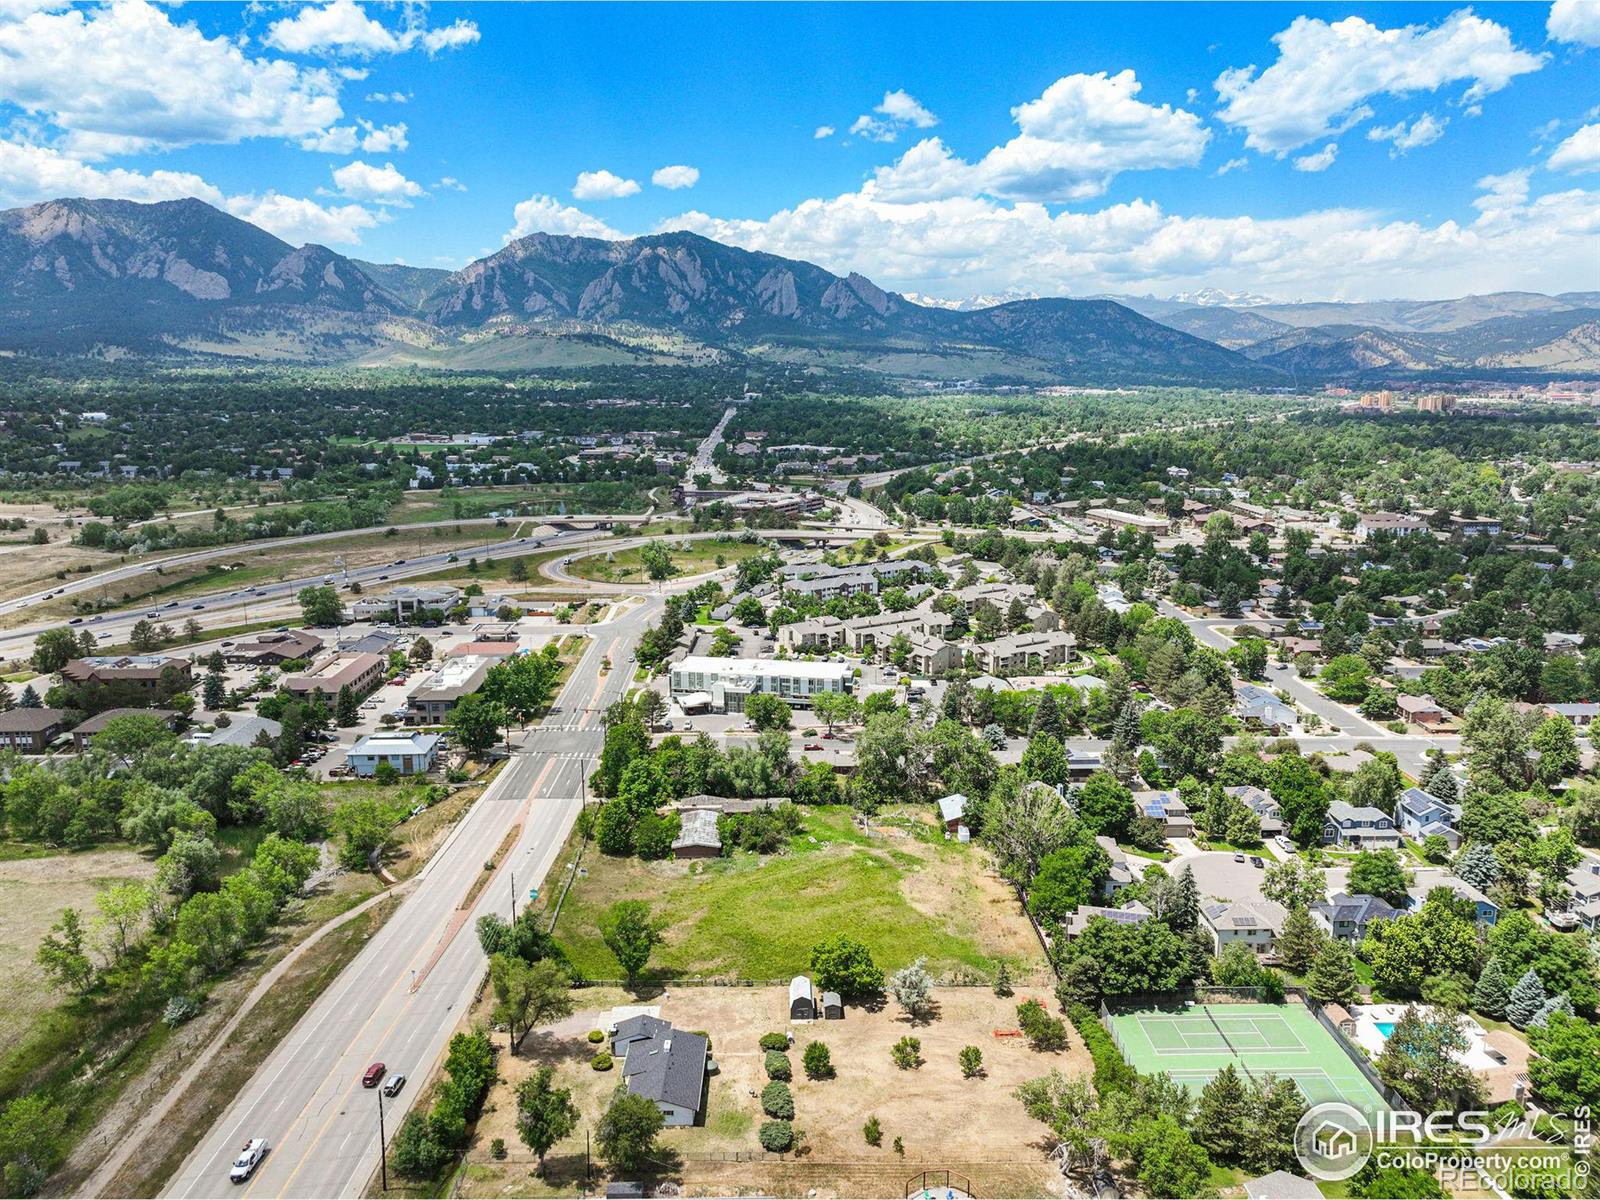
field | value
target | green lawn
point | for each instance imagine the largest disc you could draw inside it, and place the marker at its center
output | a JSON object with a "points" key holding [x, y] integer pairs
{"points": [[747, 917], [624, 566]]}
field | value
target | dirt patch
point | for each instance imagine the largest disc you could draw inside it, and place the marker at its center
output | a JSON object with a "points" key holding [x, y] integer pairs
{"points": [[34, 892], [975, 1126]]}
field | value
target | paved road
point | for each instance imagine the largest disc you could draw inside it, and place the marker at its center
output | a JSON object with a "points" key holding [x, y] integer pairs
{"points": [[402, 997], [703, 463]]}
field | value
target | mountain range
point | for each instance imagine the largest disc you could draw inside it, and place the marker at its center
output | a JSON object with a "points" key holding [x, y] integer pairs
{"points": [[181, 278]]}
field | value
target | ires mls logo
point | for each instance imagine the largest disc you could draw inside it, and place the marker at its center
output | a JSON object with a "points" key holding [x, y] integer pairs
{"points": [[1333, 1141]]}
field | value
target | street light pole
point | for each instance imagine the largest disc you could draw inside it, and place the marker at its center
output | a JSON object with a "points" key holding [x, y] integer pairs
{"points": [[513, 872], [383, 1144]]}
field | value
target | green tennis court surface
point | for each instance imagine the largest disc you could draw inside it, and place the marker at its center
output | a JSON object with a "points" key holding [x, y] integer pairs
{"points": [[1192, 1044]]}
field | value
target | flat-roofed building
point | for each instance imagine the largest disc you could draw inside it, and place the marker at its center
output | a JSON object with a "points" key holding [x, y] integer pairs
{"points": [[430, 702], [361, 673], [408, 753], [1398, 524], [1116, 518], [724, 684], [403, 603]]}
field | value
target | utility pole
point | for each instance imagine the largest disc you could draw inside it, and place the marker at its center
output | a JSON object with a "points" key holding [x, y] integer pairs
{"points": [[513, 895], [383, 1144]]}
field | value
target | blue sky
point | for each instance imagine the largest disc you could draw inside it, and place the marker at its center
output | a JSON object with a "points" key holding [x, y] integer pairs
{"points": [[1294, 151]]}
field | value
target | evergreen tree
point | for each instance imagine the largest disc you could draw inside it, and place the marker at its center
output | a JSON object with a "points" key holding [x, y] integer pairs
{"points": [[1221, 1114], [1047, 718], [1277, 1107], [212, 691], [345, 710], [30, 698], [7, 700], [1300, 942], [1479, 865], [1492, 993], [1438, 780], [1185, 914], [1527, 998], [1556, 1004], [1333, 975]]}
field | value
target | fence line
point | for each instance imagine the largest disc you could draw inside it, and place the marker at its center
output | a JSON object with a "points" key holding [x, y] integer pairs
{"points": [[1032, 979], [1357, 1056]]}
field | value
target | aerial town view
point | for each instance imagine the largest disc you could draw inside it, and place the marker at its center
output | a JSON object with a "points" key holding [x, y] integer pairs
{"points": [[826, 601]]}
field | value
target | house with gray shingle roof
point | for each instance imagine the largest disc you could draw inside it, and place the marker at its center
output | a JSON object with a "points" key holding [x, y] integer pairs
{"points": [[668, 1068]]}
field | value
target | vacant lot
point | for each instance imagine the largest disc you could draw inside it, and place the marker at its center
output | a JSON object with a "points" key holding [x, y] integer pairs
{"points": [[690, 558], [902, 890], [974, 1126], [34, 891]]}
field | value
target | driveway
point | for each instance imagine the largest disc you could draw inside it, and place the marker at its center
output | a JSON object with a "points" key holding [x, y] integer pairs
{"points": [[1219, 877]]}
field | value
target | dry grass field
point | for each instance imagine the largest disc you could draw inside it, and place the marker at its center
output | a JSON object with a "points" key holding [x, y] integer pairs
{"points": [[33, 894], [973, 1126]]}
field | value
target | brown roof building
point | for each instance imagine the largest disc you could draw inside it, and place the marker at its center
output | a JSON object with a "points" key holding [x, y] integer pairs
{"points": [[98, 722], [143, 671], [272, 649], [30, 730], [361, 673]]}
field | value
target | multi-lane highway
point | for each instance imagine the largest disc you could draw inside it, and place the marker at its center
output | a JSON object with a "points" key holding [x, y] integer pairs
{"points": [[406, 992]]}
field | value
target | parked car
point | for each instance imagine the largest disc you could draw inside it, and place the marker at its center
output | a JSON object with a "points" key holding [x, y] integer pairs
{"points": [[392, 1088], [1255, 861], [813, 746], [374, 1075], [1238, 858]]}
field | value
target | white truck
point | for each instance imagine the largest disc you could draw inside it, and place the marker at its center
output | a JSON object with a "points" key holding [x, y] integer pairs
{"points": [[249, 1159]]}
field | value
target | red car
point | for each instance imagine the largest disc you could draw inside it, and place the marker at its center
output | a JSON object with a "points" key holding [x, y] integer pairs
{"points": [[814, 746], [374, 1075]]}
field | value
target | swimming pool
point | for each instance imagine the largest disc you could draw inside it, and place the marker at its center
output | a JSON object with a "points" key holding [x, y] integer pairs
{"points": [[1385, 1028]]}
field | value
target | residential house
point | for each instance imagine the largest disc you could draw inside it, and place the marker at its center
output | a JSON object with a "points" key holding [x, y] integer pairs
{"points": [[1256, 706], [1166, 807], [665, 1065], [1260, 802], [1122, 873], [1254, 923], [1584, 880], [1347, 917], [1422, 815], [1420, 710], [1485, 911], [408, 753], [1358, 827], [1581, 713], [1132, 913]]}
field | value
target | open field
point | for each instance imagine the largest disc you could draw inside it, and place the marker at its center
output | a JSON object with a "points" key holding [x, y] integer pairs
{"points": [[34, 891], [692, 558], [974, 1126], [754, 917]]}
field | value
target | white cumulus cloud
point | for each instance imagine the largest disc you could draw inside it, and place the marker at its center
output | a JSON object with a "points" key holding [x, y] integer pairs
{"points": [[823, 131], [1319, 161], [299, 221], [675, 177], [1424, 131], [379, 185], [1074, 139], [124, 76], [898, 111], [337, 139], [343, 27], [546, 214], [381, 139], [1578, 153], [1574, 21], [602, 185], [1325, 72]]}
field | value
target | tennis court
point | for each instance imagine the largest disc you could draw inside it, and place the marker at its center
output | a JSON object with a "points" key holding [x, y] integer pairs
{"points": [[1193, 1043]]}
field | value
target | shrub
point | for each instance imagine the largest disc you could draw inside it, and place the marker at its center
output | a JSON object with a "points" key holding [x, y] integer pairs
{"points": [[776, 1136], [1111, 1071], [1043, 1031], [777, 1100], [778, 1066], [601, 1061], [907, 1053], [497, 1148], [774, 1041], [818, 1061], [971, 1060], [180, 1009], [872, 1131], [899, 1147], [596, 1036]]}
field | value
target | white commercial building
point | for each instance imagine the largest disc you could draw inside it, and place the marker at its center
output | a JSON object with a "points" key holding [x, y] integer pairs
{"points": [[724, 684]]}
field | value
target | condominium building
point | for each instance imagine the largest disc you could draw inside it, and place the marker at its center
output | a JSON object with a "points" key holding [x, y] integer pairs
{"points": [[724, 684]]}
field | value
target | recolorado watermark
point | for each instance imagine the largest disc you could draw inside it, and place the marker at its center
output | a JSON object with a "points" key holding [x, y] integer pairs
{"points": [[1334, 1141]]}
